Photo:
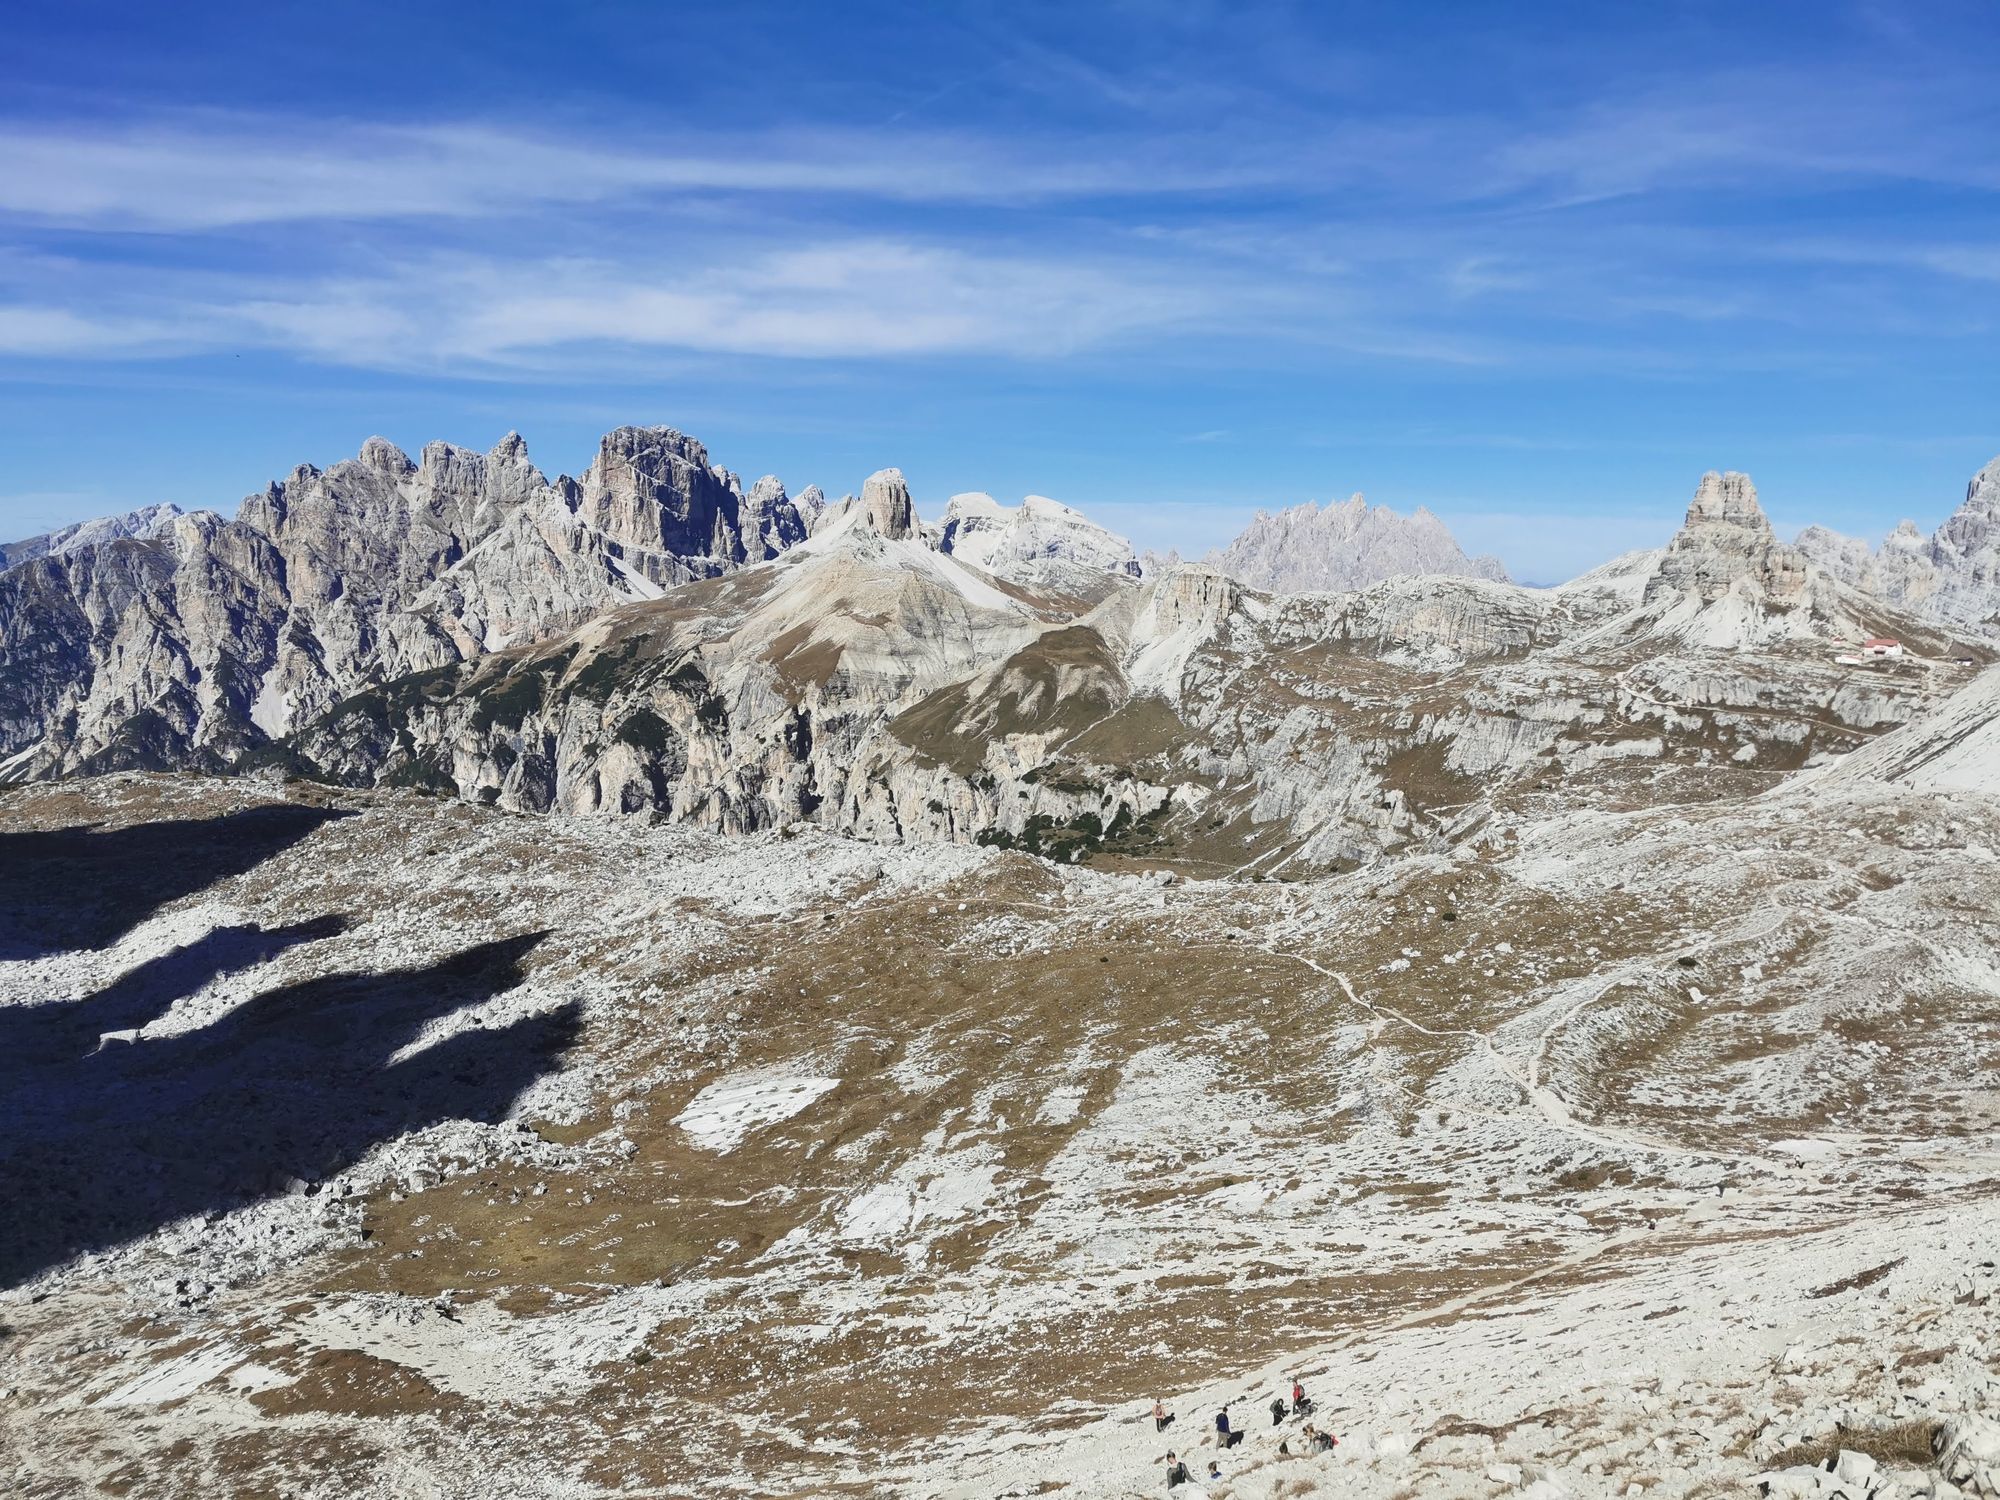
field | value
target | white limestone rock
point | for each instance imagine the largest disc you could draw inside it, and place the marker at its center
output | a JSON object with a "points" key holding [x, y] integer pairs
{"points": [[1950, 578], [1039, 542]]}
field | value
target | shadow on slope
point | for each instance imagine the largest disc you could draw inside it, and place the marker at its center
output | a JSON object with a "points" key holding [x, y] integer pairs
{"points": [[86, 887], [63, 1031], [297, 1083]]}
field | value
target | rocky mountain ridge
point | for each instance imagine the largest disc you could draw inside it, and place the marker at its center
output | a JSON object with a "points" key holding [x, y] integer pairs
{"points": [[1556, 1025], [198, 638], [655, 640], [1951, 577], [871, 683], [138, 525]]}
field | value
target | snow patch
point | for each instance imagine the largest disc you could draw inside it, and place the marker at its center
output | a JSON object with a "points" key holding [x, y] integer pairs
{"points": [[721, 1115], [175, 1378], [637, 584], [271, 711]]}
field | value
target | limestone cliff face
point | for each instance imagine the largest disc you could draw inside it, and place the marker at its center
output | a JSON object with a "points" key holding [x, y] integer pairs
{"points": [[653, 492], [163, 640], [886, 508]]}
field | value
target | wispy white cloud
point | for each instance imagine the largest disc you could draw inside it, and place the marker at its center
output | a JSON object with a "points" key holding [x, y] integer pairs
{"points": [[26, 329], [222, 172], [852, 299]]}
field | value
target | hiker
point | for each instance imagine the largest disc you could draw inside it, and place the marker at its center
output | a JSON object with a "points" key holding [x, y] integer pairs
{"points": [[1161, 1416], [1177, 1472], [1298, 1392], [1323, 1442], [1277, 1410], [1224, 1438], [1214, 1472]]}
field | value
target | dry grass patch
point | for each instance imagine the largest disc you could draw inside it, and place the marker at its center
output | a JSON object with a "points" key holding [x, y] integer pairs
{"points": [[1906, 1443]]}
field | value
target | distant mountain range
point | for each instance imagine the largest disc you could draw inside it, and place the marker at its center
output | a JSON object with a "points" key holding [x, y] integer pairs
{"points": [[657, 638], [1346, 546]]}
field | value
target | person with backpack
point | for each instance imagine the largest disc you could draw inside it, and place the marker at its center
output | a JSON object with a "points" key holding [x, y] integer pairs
{"points": [[1161, 1416], [1277, 1410], [1177, 1472]]}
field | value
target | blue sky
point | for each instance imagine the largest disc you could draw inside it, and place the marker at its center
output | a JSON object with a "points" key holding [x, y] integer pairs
{"points": [[1535, 266]]}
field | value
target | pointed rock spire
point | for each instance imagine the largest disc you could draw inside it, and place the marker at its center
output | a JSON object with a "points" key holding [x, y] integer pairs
{"points": [[1728, 499], [1727, 538], [885, 504]]}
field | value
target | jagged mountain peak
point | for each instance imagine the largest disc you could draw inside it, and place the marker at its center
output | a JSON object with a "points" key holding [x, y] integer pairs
{"points": [[1345, 545], [1726, 551], [380, 454]]}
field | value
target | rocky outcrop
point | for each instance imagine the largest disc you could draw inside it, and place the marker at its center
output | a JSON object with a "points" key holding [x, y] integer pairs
{"points": [[1727, 583], [653, 492], [1726, 541], [1847, 558], [1040, 542], [461, 624], [886, 508], [1345, 546]]}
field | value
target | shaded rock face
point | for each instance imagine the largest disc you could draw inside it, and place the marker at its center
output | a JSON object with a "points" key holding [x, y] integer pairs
{"points": [[654, 491], [1348, 545]]}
